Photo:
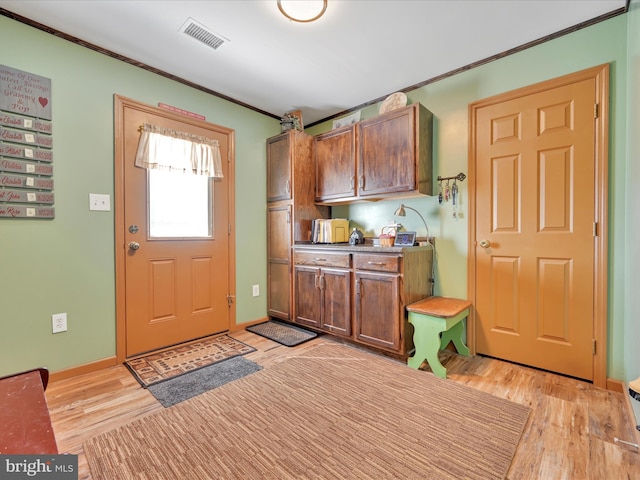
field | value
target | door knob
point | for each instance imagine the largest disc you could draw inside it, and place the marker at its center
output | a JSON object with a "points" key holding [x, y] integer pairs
{"points": [[134, 245], [485, 243]]}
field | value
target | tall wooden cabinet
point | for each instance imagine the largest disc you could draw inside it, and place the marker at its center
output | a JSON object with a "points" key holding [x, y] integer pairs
{"points": [[385, 156], [290, 209]]}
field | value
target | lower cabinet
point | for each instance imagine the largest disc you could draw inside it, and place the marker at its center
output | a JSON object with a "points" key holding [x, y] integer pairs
{"points": [[361, 296], [377, 310], [378, 318], [323, 294]]}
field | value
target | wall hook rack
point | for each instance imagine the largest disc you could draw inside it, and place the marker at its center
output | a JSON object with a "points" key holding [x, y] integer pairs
{"points": [[461, 176]]}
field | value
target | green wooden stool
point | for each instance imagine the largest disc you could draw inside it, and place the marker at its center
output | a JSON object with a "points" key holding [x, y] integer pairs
{"points": [[431, 317]]}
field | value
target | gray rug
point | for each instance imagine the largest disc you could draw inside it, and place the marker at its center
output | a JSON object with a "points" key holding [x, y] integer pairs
{"points": [[179, 389], [282, 333]]}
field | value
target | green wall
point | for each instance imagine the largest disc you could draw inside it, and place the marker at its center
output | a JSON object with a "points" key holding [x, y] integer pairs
{"points": [[67, 264], [630, 279], [448, 99]]}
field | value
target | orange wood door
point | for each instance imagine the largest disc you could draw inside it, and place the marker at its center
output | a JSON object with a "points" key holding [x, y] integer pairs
{"points": [[535, 214], [175, 288]]}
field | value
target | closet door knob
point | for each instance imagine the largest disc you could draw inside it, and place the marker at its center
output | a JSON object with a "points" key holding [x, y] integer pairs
{"points": [[485, 243]]}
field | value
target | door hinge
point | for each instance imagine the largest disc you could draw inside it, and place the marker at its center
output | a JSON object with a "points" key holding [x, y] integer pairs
{"points": [[594, 346], [596, 110], [230, 299], [595, 229]]}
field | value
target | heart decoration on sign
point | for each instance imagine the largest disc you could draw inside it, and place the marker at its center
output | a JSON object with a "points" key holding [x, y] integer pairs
{"points": [[43, 101]]}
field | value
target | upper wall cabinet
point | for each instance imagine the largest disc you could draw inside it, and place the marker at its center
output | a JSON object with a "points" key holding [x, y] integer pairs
{"points": [[386, 156], [394, 153], [335, 162], [281, 152]]}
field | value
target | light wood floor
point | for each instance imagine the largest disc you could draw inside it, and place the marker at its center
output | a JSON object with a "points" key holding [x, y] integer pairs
{"points": [[570, 433]]}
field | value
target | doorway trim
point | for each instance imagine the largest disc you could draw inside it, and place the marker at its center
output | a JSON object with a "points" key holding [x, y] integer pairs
{"points": [[120, 103], [601, 148]]}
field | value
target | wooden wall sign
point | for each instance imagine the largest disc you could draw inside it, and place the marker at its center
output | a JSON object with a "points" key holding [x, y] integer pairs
{"points": [[26, 145]]}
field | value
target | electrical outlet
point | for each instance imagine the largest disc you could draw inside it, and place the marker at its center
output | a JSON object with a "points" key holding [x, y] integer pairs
{"points": [[59, 322], [256, 290]]}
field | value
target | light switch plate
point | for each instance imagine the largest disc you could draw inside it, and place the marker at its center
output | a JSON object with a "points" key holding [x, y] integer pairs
{"points": [[99, 201]]}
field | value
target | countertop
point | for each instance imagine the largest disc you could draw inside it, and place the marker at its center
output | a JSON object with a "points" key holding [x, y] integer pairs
{"points": [[366, 247]]}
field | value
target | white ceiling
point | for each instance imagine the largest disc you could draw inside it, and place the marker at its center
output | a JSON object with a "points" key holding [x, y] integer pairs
{"points": [[358, 52]]}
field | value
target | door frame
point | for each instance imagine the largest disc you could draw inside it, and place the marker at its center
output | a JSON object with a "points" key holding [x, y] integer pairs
{"points": [[120, 103], [600, 74]]}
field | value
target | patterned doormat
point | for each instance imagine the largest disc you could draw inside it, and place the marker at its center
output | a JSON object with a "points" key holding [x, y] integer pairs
{"points": [[160, 366], [282, 333]]}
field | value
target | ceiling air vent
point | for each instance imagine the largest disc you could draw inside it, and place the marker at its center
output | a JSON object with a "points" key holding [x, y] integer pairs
{"points": [[203, 34]]}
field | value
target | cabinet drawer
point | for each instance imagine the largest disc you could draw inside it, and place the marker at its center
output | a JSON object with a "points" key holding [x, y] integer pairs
{"points": [[378, 263], [322, 259]]}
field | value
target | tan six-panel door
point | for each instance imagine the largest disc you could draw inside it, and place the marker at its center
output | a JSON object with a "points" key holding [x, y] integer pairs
{"points": [[535, 229]]}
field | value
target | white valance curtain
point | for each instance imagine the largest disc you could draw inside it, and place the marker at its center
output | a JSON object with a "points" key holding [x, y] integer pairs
{"points": [[165, 149]]}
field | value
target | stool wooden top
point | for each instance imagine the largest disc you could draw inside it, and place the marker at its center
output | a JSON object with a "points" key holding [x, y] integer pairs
{"points": [[443, 307]]}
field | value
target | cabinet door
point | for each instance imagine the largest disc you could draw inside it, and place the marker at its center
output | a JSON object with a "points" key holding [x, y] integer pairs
{"points": [[377, 310], [279, 155], [308, 296], [335, 162], [278, 301], [279, 261], [387, 153], [336, 301]]}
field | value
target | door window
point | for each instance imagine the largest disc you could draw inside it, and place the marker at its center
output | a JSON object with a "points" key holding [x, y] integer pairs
{"points": [[180, 205]]}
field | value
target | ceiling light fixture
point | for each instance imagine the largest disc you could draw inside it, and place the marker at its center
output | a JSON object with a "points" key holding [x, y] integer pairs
{"points": [[303, 11]]}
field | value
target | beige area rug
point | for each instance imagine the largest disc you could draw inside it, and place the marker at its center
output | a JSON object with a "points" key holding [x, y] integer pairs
{"points": [[335, 413], [172, 362]]}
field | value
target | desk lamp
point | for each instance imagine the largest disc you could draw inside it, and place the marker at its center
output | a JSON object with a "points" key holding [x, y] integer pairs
{"points": [[400, 212]]}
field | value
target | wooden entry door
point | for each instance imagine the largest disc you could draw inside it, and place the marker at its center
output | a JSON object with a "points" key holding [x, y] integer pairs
{"points": [[171, 287], [538, 224]]}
